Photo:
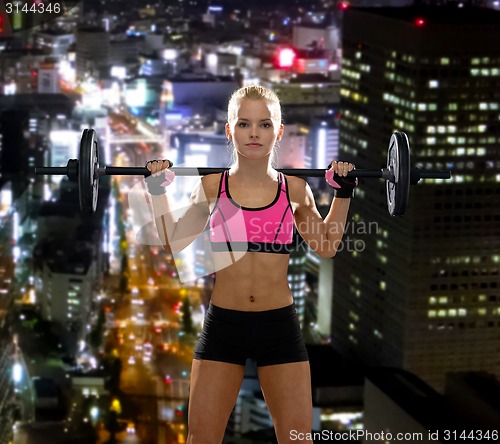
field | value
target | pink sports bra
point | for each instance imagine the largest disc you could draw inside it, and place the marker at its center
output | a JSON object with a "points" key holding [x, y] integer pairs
{"points": [[267, 229]]}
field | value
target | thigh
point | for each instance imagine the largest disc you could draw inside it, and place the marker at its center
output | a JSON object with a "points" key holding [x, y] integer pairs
{"points": [[287, 391], [277, 338], [213, 392]]}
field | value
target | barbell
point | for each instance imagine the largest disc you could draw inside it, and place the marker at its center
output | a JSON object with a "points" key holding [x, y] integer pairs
{"points": [[399, 174]]}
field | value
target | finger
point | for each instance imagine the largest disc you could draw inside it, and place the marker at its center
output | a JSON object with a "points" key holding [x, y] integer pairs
{"points": [[158, 167], [341, 168], [347, 168], [149, 166]]}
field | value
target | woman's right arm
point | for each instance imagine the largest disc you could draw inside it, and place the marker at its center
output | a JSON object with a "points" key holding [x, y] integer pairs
{"points": [[177, 233]]}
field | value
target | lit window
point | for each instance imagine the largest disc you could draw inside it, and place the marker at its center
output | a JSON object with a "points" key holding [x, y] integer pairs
{"points": [[422, 106], [431, 129], [433, 83], [431, 140], [462, 312], [445, 61], [443, 299], [452, 312], [382, 285], [431, 313], [481, 311], [432, 300], [441, 313]]}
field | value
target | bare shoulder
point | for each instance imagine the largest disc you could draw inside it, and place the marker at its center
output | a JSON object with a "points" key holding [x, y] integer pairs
{"points": [[298, 189], [210, 184]]}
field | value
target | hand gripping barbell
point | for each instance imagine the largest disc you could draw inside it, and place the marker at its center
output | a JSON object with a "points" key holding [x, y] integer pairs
{"points": [[398, 174]]}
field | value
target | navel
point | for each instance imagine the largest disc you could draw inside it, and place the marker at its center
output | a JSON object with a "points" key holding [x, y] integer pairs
{"points": [[252, 299]]}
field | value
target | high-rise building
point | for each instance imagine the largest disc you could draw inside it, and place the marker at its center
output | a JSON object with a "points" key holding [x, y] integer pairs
{"points": [[92, 51], [324, 141], [423, 293], [6, 387]]}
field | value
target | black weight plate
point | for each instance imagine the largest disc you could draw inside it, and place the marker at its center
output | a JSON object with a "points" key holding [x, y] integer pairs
{"points": [[88, 179], [398, 161]]}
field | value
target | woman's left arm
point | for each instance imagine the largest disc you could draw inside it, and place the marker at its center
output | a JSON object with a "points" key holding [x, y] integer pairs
{"points": [[323, 236]]}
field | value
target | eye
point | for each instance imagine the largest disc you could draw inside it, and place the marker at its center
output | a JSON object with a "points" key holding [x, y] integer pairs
{"points": [[242, 124], [267, 125]]}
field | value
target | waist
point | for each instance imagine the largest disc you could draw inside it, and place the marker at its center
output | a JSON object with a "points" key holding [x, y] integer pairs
{"points": [[245, 315]]}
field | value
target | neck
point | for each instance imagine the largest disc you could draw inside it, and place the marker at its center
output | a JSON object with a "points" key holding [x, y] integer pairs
{"points": [[253, 169]]}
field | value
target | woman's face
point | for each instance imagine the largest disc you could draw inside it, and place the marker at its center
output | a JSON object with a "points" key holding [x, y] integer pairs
{"points": [[254, 132]]}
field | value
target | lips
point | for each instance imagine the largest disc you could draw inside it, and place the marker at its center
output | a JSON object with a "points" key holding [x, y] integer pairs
{"points": [[254, 145]]}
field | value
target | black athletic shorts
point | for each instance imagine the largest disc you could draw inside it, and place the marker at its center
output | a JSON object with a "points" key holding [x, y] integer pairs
{"points": [[270, 337]]}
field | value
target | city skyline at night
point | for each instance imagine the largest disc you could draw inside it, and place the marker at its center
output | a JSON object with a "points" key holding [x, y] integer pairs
{"points": [[98, 322], [423, 296]]}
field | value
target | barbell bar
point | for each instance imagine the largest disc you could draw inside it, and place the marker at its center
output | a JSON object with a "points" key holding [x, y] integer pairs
{"points": [[398, 174]]}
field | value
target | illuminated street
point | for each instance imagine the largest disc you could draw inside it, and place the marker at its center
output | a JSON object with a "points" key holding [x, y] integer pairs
{"points": [[395, 287], [146, 337]]}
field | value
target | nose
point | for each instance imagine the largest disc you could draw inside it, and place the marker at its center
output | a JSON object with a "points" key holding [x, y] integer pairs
{"points": [[254, 133]]}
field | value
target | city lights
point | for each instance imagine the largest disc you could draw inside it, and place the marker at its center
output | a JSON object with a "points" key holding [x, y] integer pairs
{"points": [[109, 320], [420, 21], [286, 58]]}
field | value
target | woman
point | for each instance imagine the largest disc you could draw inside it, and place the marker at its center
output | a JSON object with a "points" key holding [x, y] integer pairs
{"points": [[251, 210]]}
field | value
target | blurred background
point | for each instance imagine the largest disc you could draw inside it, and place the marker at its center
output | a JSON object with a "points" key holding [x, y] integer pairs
{"points": [[402, 327]]}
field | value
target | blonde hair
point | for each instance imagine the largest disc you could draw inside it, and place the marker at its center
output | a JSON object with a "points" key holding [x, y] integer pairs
{"points": [[254, 92]]}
